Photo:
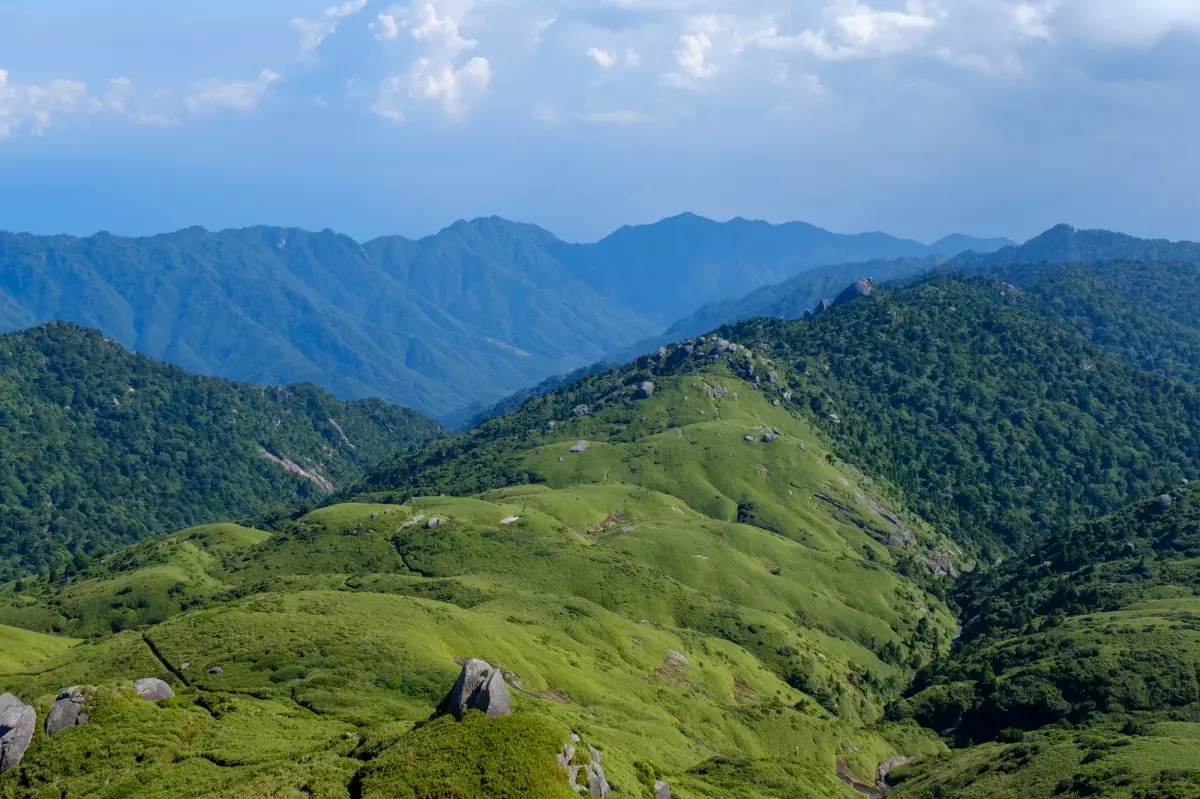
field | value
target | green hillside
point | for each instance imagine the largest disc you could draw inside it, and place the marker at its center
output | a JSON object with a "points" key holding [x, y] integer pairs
{"points": [[1081, 662], [99, 448], [733, 566], [730, 616]]}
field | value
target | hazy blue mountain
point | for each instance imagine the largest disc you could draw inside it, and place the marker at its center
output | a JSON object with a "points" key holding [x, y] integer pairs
{"points": [[468, 315], [447, 324], [1065, 244], [670, 268]]}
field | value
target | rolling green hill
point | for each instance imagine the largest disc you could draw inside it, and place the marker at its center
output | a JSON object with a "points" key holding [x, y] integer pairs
{"points": [[100, 448], [729, 616]]}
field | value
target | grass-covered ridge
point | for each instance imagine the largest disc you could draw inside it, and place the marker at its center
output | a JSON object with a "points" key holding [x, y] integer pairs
{"points": [[100, 447], [678, 596]]}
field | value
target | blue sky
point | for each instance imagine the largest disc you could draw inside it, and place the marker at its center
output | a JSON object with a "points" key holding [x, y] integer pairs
{"points": [[919, 117]]}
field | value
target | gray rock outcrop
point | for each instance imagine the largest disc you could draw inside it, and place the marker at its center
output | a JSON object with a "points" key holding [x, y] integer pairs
{"points": [[152, 689], [645, 390], [597, 783], [580, 410], [17, 723], [479, 687], [580, 447], [1166, 501], [661, 790], [66, 712]]}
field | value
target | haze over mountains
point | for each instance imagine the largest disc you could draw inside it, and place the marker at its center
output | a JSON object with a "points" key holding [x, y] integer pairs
{"points": [[449, 322]]}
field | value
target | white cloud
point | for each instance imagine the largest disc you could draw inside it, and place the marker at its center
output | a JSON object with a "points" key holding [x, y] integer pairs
{"points": [[385, 27], [602, 57], [441, 32], [314, 31], [35, 107], [545, 112], [632, 58], [1134, 23], [855, 30], [541, 26], [429, 81], [155, 120], [692, 58], [621, 116], [235, 95]]}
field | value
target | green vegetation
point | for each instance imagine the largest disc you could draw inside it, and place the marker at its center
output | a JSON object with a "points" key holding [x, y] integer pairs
{"points": [[677, 596], [740, 581], [997, 422], [100, 448]]}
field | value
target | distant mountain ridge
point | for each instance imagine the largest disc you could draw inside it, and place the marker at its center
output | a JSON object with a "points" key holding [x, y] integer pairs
{"points": [[446, 323]]}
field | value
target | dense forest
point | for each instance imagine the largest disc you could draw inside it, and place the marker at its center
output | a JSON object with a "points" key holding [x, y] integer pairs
{"points": [[99, 447]]}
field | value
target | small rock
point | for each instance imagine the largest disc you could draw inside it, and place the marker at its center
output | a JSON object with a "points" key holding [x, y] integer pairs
{"points": [[17, 723], [432, 523], [773, 377], [507, 520], [750, 439], [580, 446], [776, 403], [561, 459], [677, 659], [769, 438], [580, 410], [216, 670], [661, 790], [775, 430], [575, 737], [1165, 501], [645, 390], [183, 666], [66, 712], [626, 529], [152, 689], [374, 515], [833, 417]]}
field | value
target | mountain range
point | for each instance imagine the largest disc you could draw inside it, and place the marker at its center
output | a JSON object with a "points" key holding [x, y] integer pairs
{"points": [[932, 540], [446, 324]]}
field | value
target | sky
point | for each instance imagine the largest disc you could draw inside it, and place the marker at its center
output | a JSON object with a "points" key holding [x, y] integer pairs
{"points": [[372, 117]]}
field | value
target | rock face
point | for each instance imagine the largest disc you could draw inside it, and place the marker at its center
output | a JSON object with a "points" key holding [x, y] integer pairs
{"points": [[1165, 501], [661, 790], [580, 410], [66, 712], [17, 723], [479, 687], [152, 689], [579, 446], [645, 390], [863, 287]]}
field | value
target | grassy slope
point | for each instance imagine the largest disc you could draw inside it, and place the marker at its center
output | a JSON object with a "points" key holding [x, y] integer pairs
{"points": [[338, 634]]}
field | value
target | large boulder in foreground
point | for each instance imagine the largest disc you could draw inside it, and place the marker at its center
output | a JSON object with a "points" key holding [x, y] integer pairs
{"points": [[67, 711], [152, 689], [481, 687], [17, 723]]}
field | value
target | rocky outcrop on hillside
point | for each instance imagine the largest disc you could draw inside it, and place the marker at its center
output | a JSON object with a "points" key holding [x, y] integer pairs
{"points": [[479, 686], [17, 723]]}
